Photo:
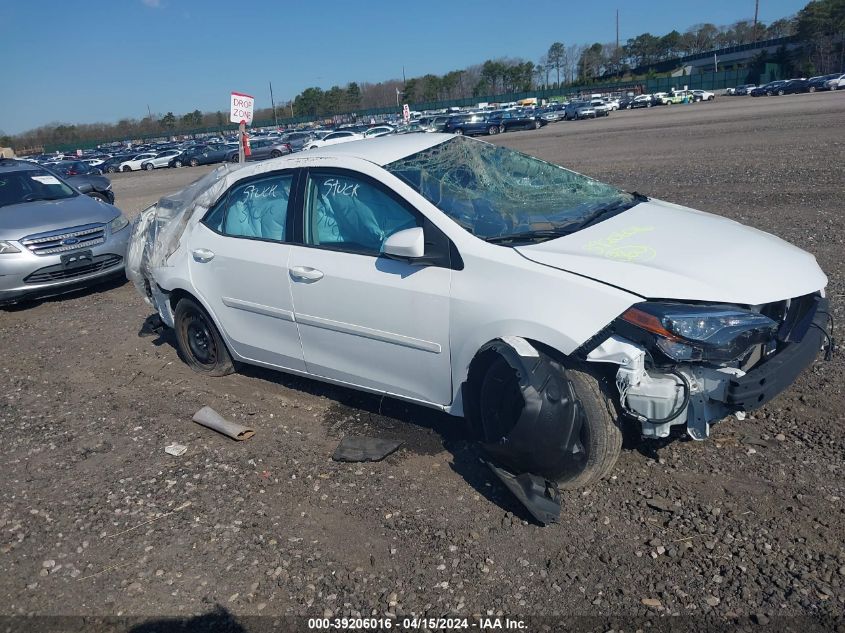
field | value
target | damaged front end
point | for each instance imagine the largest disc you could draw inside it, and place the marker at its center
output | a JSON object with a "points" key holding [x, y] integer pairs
{"points": [[687, 364]]}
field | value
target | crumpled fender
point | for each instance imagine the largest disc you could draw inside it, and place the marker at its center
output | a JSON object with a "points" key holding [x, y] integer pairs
{"points": [[545, 440]]}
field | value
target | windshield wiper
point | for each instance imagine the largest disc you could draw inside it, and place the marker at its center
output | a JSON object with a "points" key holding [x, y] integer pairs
{"points": [[529, 236], [609, 210]]}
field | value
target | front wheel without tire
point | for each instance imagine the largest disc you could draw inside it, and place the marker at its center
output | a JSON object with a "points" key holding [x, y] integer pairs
{"points": [[199, 342], [600, 437]]}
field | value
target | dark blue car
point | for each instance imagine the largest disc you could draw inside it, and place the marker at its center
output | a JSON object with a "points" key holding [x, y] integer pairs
{"points": [[471, 124]]}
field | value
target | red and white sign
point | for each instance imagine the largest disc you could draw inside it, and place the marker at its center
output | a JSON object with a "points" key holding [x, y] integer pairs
{"points": [[406, 113], [241, 110]]}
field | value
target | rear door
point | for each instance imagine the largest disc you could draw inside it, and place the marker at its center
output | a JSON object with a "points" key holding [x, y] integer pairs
{"points": [[239, 265], [365, 319]]}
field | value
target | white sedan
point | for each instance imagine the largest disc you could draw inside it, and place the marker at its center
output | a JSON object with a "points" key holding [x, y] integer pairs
{"points": [[549, 308], [703, 95], [160, 160], [134, 163], [333, 138]]}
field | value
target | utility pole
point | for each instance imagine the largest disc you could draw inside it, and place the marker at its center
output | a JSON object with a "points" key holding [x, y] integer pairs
{"points": [[273, 103], [756, 14], [616, 54]]}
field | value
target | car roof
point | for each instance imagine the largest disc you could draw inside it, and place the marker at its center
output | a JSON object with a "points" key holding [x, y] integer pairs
{"points": [[383, 149], [12, 164]]}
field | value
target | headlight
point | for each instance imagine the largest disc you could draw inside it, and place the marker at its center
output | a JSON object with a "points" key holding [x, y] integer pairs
{"points": [[120, 222], [690, 332], [7, 248]]}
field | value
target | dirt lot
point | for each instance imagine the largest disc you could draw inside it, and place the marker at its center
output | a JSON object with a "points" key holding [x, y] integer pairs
{"points": [[747, 527]]}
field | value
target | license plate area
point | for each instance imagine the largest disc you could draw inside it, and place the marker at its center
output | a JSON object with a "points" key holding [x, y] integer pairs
{"points": [[77, 260]]}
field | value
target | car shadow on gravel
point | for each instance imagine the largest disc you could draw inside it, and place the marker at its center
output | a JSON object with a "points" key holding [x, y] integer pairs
{"points": [[98, 289], [423, 431], [217, 621]]}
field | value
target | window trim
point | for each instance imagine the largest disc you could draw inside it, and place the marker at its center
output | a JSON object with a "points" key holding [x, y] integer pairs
{"points": [[290, 212]]}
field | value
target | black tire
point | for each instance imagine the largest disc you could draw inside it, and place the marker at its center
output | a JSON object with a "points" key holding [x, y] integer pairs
{"points": [[458, 131], [126, 168], [275, 154], [98, 196], [111, 169], [149, 166], [200, 344], [501, 403], [177, 163], [537, 125], [234, 158], [194, 162], [492, 130]]}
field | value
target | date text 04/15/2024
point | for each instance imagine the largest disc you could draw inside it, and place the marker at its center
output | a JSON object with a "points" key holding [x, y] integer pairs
{"points": [[412, 623]]}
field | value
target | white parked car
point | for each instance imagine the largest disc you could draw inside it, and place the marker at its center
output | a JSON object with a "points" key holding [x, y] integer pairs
{"points": [[837, 83], [134, 163], [333, 138], [380, 130], [546, 306], [703, 95], [160, 160]]}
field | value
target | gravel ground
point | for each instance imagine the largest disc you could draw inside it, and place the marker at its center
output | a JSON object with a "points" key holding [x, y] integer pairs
{"points": [[747, 528]]}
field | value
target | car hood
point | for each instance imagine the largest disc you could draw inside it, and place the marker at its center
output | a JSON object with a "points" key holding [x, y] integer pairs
{"points": [[19, 220], [661, 250]]}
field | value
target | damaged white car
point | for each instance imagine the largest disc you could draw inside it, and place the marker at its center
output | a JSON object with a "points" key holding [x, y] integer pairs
{"points": [[545, 306]]}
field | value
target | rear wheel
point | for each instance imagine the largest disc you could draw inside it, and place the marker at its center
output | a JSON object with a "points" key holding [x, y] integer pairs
{"points": [[149, 167], [492, 130], [199, 342], [234, 158], [537, 125], [111, 169], [501, 404], [275, 153], [177, 163], [781, 93], [194, 162], [458, 131]]}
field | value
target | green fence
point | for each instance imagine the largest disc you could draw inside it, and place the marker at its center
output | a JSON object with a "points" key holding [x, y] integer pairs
{"points": [[702, 81]]}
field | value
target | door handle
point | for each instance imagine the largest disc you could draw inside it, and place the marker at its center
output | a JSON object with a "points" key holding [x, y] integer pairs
{"points": [[202, 255], [306, 274]]}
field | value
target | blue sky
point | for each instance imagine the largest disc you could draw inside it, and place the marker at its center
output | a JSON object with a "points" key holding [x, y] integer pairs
{"points": [[84, 61]]}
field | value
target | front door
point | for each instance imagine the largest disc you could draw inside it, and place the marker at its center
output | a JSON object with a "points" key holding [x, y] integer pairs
{"points": [[239, 259], [365, 319]]}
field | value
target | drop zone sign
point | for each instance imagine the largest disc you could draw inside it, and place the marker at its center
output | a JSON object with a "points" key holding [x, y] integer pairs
{"points": [[241, 110]]}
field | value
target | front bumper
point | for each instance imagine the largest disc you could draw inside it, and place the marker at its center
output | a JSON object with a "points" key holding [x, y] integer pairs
{"points": [[28, 276], [767, 380]]}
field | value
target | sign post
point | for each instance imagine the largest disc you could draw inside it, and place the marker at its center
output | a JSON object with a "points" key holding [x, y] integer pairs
{"points": [[406, 113], [241, 113]]}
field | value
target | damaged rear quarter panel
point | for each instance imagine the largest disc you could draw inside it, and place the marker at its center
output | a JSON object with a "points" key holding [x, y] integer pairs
{"points": [[512, 296]]}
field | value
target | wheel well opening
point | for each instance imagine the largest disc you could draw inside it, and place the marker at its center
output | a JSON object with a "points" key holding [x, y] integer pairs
{"points": [[177, 295]]}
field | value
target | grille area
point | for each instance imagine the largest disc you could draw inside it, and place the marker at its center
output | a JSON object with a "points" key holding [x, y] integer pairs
{"points": [[59, 272], [66, 240]]}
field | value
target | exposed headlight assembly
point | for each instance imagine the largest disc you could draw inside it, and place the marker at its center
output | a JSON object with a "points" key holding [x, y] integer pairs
{"points": [[686, 332], [120, 222]]}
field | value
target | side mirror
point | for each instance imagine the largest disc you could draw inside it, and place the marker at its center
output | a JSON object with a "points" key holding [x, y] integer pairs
{"points": [[406, 245]]}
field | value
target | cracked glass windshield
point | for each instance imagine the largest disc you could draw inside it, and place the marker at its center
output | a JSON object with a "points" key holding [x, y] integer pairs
{"points": [[504, 196]]}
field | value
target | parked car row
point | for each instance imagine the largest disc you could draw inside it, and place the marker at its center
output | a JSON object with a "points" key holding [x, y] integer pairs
{"points": [[779, 87]]}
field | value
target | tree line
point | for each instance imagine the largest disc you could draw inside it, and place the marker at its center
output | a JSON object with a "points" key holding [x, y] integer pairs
{"points": [[820, 26]]}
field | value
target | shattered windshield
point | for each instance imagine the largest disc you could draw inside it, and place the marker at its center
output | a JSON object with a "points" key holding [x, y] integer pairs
{"points": [[501, 195]]}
